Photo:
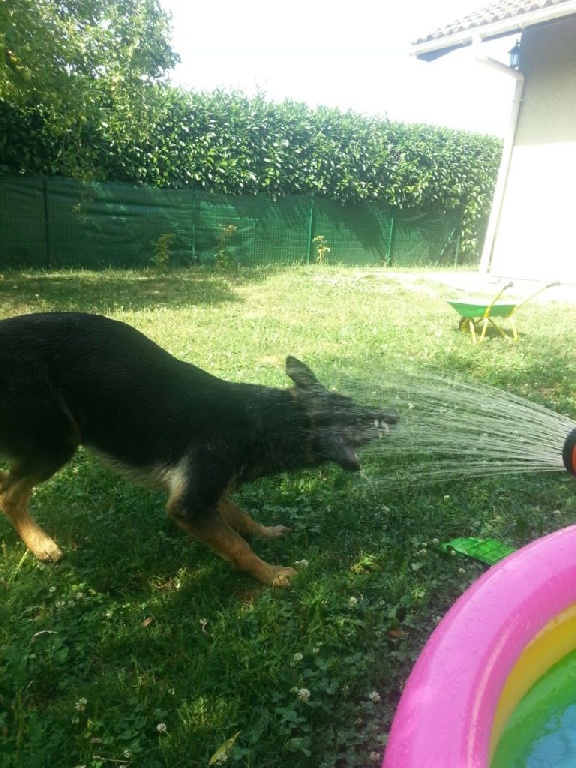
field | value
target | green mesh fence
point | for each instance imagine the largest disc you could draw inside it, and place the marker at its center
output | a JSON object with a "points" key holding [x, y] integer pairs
{"points": [[67, 223]]}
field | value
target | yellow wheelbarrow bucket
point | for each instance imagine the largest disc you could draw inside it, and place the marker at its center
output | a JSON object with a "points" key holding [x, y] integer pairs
{"points": [[476, 315]]}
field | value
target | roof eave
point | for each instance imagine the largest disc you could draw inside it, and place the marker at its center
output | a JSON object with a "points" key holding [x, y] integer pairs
{"points": [[431, 49]]}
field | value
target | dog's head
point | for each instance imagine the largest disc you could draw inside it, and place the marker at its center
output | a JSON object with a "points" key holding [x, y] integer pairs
{"points": [[338, 425]]}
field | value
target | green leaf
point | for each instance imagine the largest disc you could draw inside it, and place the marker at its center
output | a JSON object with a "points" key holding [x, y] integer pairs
{"points": [[223, 751]]}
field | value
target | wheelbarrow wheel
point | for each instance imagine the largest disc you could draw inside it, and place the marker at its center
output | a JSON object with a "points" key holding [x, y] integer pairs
{"points": [[465, 324]]}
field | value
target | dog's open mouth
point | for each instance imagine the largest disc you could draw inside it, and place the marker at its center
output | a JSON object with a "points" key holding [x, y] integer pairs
{"points": [[346, 441], [371, 426], [382, 423], [382, 428]]}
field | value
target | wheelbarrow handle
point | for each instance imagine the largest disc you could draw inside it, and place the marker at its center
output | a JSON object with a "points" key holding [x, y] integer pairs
{"points": [[495, 299], [538, 292]]}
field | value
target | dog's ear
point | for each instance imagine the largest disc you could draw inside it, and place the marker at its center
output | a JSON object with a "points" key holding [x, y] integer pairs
{"points": [[300, 374]]}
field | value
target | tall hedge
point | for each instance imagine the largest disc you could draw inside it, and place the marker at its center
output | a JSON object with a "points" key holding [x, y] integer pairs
{"points": [[228, 142]]}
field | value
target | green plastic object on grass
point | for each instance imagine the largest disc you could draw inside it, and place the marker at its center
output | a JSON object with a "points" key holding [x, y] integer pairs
{"points": [[487, 551]]}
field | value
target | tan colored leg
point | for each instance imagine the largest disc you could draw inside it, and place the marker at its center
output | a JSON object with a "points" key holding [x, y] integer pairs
{"points": [[467, 324], [14, 497], [499, 330], [514, 330], [217, 534], [242, 522]]}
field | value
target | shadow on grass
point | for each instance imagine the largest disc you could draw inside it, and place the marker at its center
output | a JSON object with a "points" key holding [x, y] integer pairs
{"points": [[138, 627], [141, 628], [119, 290], [118, 538]]}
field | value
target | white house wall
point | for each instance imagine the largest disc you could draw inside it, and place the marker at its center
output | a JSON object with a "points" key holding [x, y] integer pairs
{"points": [[536, 231]]}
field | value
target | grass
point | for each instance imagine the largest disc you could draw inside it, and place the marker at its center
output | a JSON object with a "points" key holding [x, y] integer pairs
{"points": [[144, 649]]}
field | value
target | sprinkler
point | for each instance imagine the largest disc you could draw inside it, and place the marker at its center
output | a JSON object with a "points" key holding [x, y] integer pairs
{"points": [[569, 452]]}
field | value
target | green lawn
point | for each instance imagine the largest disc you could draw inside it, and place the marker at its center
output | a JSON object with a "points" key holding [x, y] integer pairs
{"points": [[144, 649]]}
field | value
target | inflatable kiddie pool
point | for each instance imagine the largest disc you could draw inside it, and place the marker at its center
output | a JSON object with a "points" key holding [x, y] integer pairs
{"points": [[506, 636]]}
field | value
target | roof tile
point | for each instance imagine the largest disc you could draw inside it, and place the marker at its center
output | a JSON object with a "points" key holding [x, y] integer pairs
{"points": [[495, 12]]}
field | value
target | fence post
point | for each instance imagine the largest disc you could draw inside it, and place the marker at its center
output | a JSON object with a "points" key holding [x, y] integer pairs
{"points": [[46, 225], [194, 225], [390, 241], [458, 243], [310, 228]]}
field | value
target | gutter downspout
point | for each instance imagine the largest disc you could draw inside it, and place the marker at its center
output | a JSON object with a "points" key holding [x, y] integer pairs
{"points": [[430, 49], [496, 208]]}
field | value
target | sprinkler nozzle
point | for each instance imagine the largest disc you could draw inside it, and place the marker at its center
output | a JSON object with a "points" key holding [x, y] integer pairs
{"points": [[569, 452]]}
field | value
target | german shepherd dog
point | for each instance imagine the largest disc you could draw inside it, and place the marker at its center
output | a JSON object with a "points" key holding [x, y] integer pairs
{"points": [[70, 379]]}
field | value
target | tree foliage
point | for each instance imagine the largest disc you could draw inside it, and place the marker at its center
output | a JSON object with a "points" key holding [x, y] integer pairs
{"points": [[54, 49], [63, 64], [81, 94], [227, 142]]}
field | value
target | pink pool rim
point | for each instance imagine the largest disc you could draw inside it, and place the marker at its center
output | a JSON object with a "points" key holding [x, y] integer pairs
{"points": [[446, 713]]}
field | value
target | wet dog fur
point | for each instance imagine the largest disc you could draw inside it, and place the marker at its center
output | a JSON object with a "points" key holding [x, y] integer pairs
{"points": [[70, 379]]}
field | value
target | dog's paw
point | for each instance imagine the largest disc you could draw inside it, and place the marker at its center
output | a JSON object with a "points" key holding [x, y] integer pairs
{"points": [[48, 552], [282, 576], [275, 531]]}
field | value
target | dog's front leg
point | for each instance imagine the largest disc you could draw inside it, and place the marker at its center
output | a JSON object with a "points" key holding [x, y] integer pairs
{"points": [[243, 523], [211, 529]]}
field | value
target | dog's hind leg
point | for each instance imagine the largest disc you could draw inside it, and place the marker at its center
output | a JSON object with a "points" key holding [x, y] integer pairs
{"points": [[15, 491], [242, 522], [214, 531], [40, 436]]}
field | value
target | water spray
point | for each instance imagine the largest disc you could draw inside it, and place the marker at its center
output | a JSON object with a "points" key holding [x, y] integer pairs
{"points": [[569, 452], [451, 428]]}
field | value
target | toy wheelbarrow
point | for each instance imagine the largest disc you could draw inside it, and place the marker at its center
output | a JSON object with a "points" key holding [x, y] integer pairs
{"points": [[476, 315]]}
